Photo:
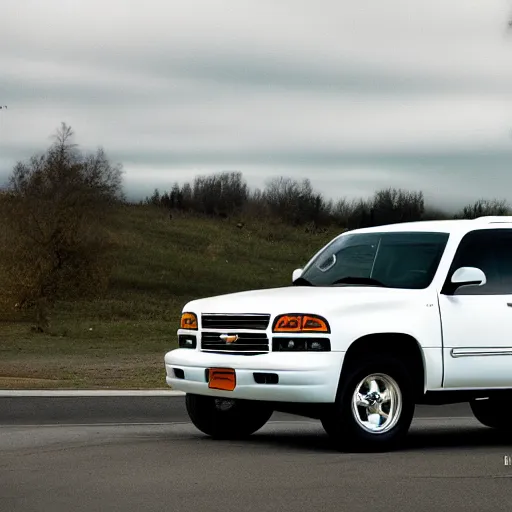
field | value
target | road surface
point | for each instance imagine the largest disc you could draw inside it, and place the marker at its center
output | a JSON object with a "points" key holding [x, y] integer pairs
{"points": [[141, 454]]}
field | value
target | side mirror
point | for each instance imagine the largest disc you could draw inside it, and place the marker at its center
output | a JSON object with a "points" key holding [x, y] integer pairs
{"points": [[296, 274], [468, 276]]}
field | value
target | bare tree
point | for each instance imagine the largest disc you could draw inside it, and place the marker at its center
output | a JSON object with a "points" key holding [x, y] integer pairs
{"points": [[55, 240], [220, 194], [390, 206], [483, 208], [296, 202]]}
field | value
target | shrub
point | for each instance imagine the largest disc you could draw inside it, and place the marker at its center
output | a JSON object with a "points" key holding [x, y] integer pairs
{"points": [[54, 243]]}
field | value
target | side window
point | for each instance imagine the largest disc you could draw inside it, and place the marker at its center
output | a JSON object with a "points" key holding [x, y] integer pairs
{"points": [[479, 249]]}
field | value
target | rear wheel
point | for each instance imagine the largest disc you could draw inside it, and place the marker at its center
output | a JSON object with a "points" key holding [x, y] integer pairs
{"points": [[224, 418], [493, 413], [374, 407]]}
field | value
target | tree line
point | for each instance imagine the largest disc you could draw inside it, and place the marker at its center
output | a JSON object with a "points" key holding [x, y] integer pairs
{"points": [[297, 203], [55, 241]]}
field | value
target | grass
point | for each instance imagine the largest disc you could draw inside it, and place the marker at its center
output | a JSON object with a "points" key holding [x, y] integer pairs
{"points": [[119, 341]]}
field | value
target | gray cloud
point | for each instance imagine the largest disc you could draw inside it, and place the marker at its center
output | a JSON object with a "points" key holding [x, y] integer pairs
{"points": [[355, 96]]}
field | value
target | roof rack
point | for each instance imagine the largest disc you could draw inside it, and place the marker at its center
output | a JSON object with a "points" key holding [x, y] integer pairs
{"points": [[495, 219]]}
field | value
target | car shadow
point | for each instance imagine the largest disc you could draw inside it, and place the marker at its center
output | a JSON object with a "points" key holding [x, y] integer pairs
{"points": [[456, 438], [427, 438]]}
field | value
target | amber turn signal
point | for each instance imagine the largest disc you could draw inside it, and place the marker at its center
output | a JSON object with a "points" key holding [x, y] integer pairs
{"points": [[301, 323], [288, 323], [188, 321]]}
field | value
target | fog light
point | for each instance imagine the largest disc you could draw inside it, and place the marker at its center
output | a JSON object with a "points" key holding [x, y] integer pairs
{"points": [[266, 378], [178, 373], [187, 341]]}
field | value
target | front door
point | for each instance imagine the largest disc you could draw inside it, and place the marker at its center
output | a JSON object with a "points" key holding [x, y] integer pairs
{"points": [[477, 321]]}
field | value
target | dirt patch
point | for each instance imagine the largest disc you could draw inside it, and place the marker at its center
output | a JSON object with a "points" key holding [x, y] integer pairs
{"points": [[30, 383], [76, 372]]}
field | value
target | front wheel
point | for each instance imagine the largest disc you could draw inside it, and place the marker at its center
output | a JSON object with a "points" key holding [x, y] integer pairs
{"points": [[374, 408], [224, 418]]}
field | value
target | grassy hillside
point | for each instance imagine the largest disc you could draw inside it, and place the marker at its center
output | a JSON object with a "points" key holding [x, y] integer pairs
{"points": [[119, 340]]}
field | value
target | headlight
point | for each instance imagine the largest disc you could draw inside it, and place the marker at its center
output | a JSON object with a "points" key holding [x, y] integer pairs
{"points": [[301, 323], [188, 321]]}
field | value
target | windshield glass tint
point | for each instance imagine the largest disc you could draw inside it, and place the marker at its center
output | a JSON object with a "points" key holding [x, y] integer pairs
{"points": [[397, 260]]}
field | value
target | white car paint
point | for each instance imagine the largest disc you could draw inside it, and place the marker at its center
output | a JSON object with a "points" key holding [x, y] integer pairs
{"points": [[302, 378], [477, 341], [464, 340]]}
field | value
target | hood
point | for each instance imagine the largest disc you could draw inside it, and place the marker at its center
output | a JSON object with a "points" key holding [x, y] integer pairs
{"points": [[302, 299]]}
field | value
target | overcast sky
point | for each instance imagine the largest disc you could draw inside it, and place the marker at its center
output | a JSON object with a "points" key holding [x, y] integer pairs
{"points": [[357, 95]]}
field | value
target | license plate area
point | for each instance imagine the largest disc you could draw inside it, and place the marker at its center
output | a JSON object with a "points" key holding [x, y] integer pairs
{"points": [[222, 378]]}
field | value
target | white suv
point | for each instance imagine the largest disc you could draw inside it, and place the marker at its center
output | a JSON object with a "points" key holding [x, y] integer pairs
{"points": [[379, 320]]}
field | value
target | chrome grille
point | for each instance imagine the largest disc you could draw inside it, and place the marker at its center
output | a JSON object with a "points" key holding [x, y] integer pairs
{"points": [[253, 322], [249, 343]]}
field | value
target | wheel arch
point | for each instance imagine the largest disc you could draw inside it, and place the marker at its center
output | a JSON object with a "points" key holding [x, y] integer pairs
{"points": [[403, 346]]}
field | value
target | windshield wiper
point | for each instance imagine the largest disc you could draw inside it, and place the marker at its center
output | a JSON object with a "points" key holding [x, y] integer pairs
{"points": [[359, 280]]}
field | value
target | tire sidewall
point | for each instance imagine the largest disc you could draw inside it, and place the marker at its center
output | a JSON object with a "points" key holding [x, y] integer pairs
{"points": [[243, 419]]}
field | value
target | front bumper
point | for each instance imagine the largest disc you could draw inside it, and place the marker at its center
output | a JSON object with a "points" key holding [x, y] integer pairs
{"points": [[304, 377]]}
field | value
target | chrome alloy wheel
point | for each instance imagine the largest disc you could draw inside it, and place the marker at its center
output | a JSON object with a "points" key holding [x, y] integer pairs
{"points": [[377, 403]]}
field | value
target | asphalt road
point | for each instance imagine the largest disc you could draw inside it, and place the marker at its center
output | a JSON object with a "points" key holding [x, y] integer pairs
{"points": [[141, 454]]}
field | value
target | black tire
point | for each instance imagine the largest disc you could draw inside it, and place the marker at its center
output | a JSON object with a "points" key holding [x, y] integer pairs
{"points": [[341, 424], [491, 413], [227, 419]]}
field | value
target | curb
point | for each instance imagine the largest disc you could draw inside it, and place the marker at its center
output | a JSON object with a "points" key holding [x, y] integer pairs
{"points": [[8, 393]]}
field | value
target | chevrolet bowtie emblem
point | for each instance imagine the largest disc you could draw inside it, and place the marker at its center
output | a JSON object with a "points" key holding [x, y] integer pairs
{"points": [[229, 338]]}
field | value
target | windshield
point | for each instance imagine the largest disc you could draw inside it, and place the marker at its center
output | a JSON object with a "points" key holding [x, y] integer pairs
{"points": [[395, 260]]}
